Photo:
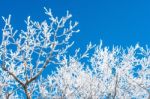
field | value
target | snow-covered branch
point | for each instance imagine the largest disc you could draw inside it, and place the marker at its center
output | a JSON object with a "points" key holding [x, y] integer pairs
{"points": [[106, 73]]}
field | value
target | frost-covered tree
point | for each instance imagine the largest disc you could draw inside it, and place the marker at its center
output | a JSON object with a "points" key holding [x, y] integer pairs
{"points": [[116, 73], [123, 72], [26, 54], [72, 82]]}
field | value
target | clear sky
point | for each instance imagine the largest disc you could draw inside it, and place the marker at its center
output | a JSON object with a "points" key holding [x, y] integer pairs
{"points": [[116, 22]]}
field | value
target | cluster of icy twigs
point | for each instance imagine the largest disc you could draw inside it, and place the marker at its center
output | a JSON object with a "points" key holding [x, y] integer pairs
{"points": [[25, 56]]}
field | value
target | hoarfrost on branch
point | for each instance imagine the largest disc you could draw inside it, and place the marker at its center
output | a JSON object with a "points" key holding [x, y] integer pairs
{"points": [[116, 73]]}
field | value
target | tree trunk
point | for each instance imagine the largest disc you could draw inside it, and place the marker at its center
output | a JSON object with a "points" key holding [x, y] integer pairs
{"points": [[27, 93]]}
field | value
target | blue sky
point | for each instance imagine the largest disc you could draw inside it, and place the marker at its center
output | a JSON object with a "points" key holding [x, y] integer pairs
{"points": [[116, 22]]}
